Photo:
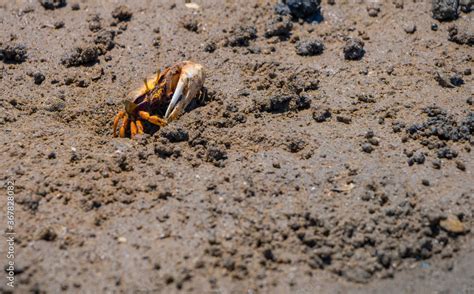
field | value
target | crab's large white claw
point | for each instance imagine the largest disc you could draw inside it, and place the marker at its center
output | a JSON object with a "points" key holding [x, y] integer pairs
{"points": [[190, 82]]}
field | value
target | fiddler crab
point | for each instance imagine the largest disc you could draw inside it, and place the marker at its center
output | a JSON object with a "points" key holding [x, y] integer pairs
{"points": [[175, 86]]}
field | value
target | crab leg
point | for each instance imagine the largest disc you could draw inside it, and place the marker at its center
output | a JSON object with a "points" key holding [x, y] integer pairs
{"points": [[154, 119], [124, 126], [116, 121], [133, 129], [139, 127]]}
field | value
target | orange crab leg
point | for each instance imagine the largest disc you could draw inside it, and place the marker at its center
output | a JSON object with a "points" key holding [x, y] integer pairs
{"points": [[152, 118], [116, 121], [133, 129], [124, 126], [139, 126]]}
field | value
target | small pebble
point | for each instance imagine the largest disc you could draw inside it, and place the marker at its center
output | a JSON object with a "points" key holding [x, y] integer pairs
{"points": [[169, 279], [210, 47], [419, 158], [38, 78], [122, 13], [322, 115], [58, 24], [309, 48], [425, 182], [398, 4], [369, 134], [373, 9], [47, 234], [52, 4], [452, 224], [456, 80], [354, 49], [460, 165], [344, 119], [390, 69], [367, 148], [409, 28], [373, 141]]}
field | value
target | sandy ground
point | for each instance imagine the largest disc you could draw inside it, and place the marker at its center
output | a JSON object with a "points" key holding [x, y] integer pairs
{"points": [[296, 174]]}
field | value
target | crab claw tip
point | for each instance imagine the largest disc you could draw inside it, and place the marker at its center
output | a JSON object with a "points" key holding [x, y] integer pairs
{"points": [[189, 84], [176, 97]]}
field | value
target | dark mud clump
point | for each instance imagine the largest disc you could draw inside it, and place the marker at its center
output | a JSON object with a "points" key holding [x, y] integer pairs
{"points": [[242, 35], [373, 9], [282, 9], [446, 81], [279, 26], [191, 24], [443, 126], [462, 38], [164, 150], [58, 24], [309, 48], [105, 41], [354, 49], [122, 13], [38, 78], [466, 5], [53, 4], [216, 155], [47, 234], [344, 119], [439, 129], [82, 55], [444, 10], [418, 158], [321, 115], [371, 141], [174, 134], [456, 79], [210, 47], [302, 81], [447, 153], [295, 145], [299, 9], [95, 22], [13, 53], [75, 6], [367, 148], [283, 103]]}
